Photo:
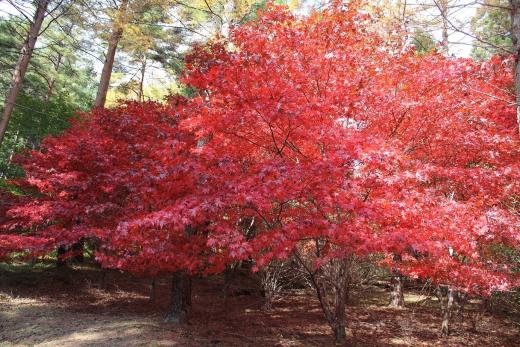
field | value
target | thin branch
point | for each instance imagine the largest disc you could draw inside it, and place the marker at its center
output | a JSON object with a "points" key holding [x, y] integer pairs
{"points": [[12, 3], [507, 8], [509, 103], [455, 28], [213, 12]]}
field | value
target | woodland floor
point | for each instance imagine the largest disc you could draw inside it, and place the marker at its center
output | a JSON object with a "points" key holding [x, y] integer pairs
{"points": [[49, 307]]}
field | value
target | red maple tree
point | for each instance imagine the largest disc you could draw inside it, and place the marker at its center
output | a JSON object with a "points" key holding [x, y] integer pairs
{"points": [[105, 170], [326, 134]]}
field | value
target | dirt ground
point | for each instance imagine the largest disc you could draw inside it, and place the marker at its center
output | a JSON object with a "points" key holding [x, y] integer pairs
{"points": [[77, 307]]}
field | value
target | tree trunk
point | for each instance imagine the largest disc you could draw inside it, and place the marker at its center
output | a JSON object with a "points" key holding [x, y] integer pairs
{"points": [[340, 333], [106, 73], [50, 88], [103, 281], [140, 95], [77, 252], [229, 273], [187, 292], [334, 310], [270, 281], [11, 155], [180, 295], [60, 261], [515, 33], [152, 291], [397, 296], [333, 299], [445, 42], [22, 64], [476, 316], [226, 19], [332, 283], [461, 299], [340, 329], [445, 294], [443, 6]]}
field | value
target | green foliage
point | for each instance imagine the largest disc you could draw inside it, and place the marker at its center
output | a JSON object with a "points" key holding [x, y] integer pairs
{"points": [[149, 41], [21, 265], [423, 42], [209, 15], [492, 25], [58, 83]]}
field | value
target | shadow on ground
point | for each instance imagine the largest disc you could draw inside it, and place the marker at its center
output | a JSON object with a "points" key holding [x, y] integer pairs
{"points": [[86, 307]]}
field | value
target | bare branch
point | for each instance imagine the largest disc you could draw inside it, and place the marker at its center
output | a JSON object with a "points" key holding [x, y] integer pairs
{"points": [[455, 28]]}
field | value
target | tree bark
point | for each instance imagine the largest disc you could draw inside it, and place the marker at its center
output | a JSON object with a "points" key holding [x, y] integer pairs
{"points": [[60, 261], [228, 279], [445, 294], [397, 296], [333, 299], [52, 82], [106, 73], [77, 251], [340, 330], [444, 7], [180, 295], [333, 304], [140, 95], [152, 291], [332, 282], [11, 155], [22, 65], [226, 19], [515, 34]]}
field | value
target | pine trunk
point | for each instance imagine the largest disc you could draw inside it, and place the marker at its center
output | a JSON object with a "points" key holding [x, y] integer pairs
{"points": [[22, 65], [11, 155], [106, 73], [52, 83], [444, 7], [140, 95]]}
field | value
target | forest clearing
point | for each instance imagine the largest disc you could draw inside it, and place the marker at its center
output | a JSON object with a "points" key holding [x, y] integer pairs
{"points": [[71, 308]]}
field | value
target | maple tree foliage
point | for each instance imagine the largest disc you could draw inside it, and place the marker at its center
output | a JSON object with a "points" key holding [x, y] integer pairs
{"points": [[324, 133], [307, 135], [107, 169], [319, 129], [18, 240]]}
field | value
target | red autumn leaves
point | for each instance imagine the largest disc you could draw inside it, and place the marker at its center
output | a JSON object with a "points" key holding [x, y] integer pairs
{"points": [[302, 129]]}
